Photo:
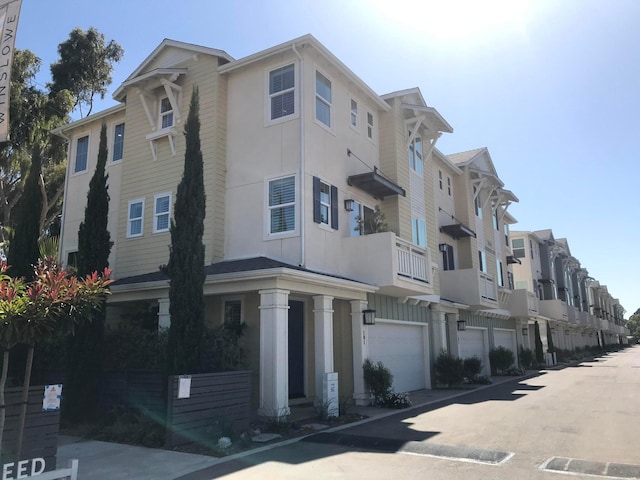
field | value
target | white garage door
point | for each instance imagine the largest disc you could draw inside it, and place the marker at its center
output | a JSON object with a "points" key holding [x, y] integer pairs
{"points": [[506, 339], [471, 344], [402, 348]]}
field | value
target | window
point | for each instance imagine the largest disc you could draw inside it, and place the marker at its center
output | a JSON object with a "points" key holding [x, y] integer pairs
{"points": [[136, 215], [496, 220], [531, 248], [361, 220], [419, 227], [82, 152], [447, 257], [72, 259], [415, 155], [522, 285], [282, 205], [506, 234], [449, 186], [370, 125], [482, 259], [325, 203], [232, 313], [323, 99], [440, 179], [517, 246], [354, 113], [477, 202], [118, 142], [166, 113], [282, 92], [161, 213], [500, 273]]}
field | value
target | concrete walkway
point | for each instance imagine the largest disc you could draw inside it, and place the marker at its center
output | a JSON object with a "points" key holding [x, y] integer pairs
{"points": [[103, 460]]}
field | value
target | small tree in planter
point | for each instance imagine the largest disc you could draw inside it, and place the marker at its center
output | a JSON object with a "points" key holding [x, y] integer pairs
{"points": [[501, 359], [449, 369], [472, 367], [378, 379]]}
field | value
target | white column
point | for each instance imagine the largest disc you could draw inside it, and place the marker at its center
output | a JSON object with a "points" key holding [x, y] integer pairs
{"points": [[164, 319], [360, 351], [439, 321], [323, 335], [274, 353]]}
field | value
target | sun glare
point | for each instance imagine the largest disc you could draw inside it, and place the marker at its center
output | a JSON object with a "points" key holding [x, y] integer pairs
{"points": [[452, 20]]}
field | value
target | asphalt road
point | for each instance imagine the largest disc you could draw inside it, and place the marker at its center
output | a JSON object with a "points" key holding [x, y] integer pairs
{"points": [[582, 420]]}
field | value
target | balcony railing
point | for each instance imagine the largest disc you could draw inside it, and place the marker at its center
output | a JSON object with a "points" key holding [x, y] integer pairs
{"points": [[398, 267], [523, 303], [554, 309], [469, 286]]}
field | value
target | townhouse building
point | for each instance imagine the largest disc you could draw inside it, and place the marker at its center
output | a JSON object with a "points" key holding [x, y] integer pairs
{"points": [[334, 229]]}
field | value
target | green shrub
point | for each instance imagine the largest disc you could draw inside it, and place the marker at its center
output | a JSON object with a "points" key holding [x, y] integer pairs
{"points": [[396, 400], [378, 379], [449, 369], [472, 367], [501, 358], [480, 380], [526, 358], [224, 350]]}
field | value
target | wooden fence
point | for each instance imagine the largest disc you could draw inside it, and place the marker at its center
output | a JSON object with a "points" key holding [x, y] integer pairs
{"points": [[140, 390], [218, 403], [40, 438]]}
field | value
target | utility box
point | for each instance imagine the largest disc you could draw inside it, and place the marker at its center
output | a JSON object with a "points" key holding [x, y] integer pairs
{"points": [[330, 397]]}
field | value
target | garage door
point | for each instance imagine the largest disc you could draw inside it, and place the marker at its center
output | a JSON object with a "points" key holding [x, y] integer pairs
{"points": [[506, 339], [471, 344], [402, 348]]}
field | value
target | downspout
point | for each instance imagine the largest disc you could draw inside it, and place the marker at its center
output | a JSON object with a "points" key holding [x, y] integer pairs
{"points": [[64, 195], [302, 160]]}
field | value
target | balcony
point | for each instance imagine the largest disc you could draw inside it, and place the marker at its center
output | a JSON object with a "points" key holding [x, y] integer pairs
{"points": [[470, 286], [398, 267], [604, 324], [583, 318], [523, 303], [554, 309], [572, 314]]}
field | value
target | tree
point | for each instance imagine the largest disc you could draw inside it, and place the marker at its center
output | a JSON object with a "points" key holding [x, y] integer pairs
{"points": [[550, 346], [186, 258], [31, 311], [85, 66], [633, 324], [539, 346], [94, 247], [33, 113]]}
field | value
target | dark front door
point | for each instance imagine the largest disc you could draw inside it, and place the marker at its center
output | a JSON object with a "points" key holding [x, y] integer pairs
{"points": [[296, 349]]}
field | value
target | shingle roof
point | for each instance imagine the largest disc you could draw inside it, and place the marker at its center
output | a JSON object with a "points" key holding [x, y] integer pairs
{"points": [[464, 157], [228, 266]]}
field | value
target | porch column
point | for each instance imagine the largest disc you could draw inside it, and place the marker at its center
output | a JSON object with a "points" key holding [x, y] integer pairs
{"points": [[323, 335], [274, 353], [360, 351], [164, 319], [439, 321]]}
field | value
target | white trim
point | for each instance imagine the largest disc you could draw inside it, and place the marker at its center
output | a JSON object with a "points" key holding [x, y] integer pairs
{"points": [[141, 218], [156, 214], [297, 81], [268, 235]]}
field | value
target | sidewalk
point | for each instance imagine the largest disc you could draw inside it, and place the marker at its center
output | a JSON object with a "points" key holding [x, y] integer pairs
{"points": [[103, 460]]}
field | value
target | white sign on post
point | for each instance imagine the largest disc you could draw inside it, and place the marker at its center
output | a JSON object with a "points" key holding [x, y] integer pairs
{"points": [[51, 399], [184, 386]]}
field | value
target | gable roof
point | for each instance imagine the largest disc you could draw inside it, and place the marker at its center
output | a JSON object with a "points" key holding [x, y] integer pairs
{"points": [[412, 99]]}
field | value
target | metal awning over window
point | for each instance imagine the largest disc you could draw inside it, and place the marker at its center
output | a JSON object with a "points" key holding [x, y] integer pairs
{"points": [[512, 259], [375, 184], [546, 280], [457, 230]]}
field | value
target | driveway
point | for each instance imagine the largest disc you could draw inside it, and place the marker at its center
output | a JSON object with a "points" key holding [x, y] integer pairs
{"points": [[581, 420]]}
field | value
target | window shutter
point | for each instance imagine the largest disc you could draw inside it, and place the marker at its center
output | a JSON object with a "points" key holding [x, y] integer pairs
{"points": [[334, 207], [317, 215]]}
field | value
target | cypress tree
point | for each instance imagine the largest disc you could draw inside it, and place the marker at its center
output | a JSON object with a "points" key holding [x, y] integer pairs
{"points": [[23, 248], [550, 346], [539, 346], [186, 258], [94, 247]]}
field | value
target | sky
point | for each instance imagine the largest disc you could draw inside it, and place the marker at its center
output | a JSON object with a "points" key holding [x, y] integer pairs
{"points": [[550, 87]]}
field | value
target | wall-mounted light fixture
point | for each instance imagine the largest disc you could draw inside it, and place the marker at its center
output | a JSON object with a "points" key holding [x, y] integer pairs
{"points": [[369, 317], [525, 331], [348, 204], [462, 325], [442, 247]]}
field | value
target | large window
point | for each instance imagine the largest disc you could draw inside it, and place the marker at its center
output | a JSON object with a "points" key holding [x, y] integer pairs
{"points": [[500, 273], [517, 247], [82, 153], [118, 142], [136, 217], [323, 99], [282, 92], [419, 231], [482, 260], [282, 205], [161, 213], [361, 220], [325, 203], [415, 155], [166, 113]]}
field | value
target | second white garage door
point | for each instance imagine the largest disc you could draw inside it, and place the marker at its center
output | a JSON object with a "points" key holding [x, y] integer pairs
{"points": [[402, 348], [471, 343], [506, 339]]}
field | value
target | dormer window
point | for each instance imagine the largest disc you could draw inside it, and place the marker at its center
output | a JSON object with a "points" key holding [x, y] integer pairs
{"points": [[166, 113]]}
